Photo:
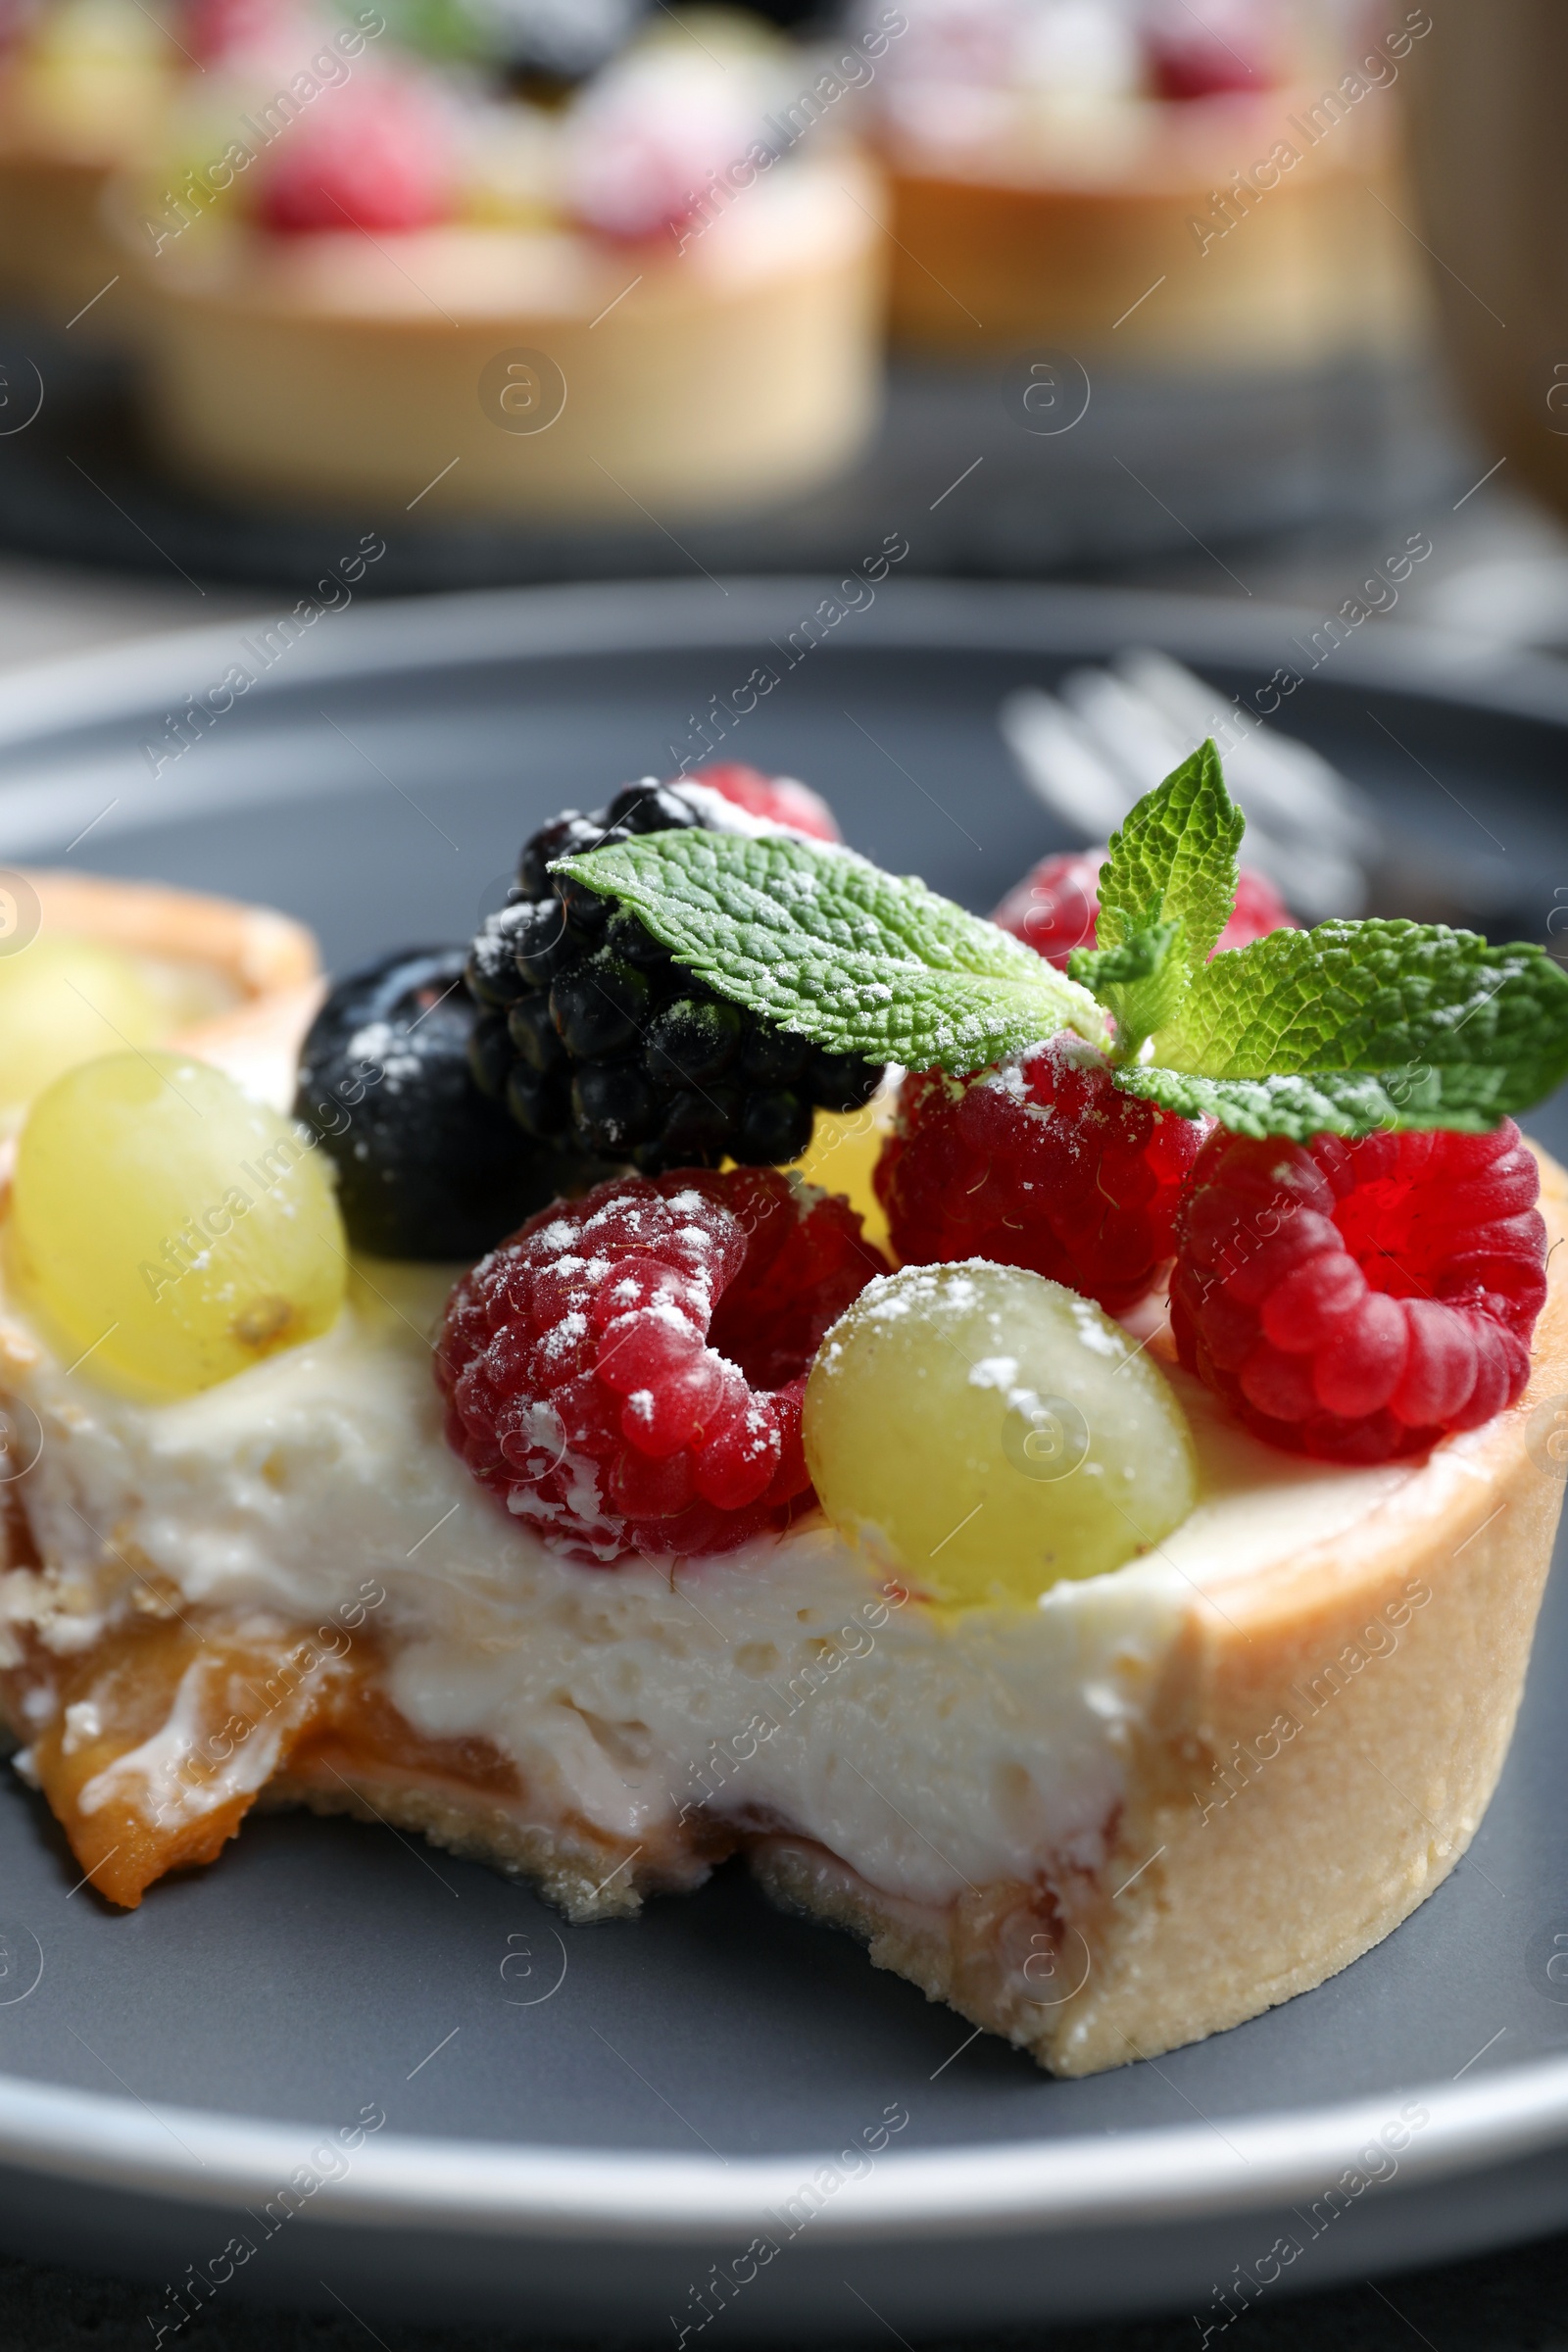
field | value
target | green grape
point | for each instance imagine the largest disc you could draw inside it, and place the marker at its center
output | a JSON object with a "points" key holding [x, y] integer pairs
{"points": [[986, 1432], [66, 1000], [171, 1226]]}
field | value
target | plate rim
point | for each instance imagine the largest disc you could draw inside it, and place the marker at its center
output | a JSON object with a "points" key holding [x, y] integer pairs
{"points": [[1109, 2179], [1103, 2179], [480, 626]]}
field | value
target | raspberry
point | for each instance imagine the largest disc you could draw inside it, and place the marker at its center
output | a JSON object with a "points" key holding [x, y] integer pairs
{"points": [[1041, 1162], [1056, 908], [1232, 47], [1258, 909], [376, 157], [222, 31], [1359, 1301], [783, 799], [626, 1372]]}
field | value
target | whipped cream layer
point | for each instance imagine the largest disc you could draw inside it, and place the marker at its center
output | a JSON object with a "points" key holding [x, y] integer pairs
{"points": [[789, 1684]]}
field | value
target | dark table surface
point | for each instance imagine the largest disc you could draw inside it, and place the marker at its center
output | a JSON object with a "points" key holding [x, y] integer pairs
{"points": [[1511, 2302]]}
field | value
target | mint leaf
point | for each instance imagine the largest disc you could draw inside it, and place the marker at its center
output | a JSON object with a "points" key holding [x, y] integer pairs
{"points": [[1143, 956], [1348, 1028], [1452, 1032], [819, 941], [1174, 859], [1141, 982], [1346, 1103]]}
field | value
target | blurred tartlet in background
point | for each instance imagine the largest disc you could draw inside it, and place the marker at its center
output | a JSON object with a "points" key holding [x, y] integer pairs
{"points": [[94, 88], [415, 285], [1145, 180], [82, 82]]}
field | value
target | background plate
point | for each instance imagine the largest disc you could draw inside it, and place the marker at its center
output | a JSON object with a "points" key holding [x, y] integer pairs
{"points": [[1149, 464], [580, 2125]]}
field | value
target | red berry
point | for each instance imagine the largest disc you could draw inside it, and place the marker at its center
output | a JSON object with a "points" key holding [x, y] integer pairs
{"points": [[780, 799], [626, 1372], [373, 156], [1258, 910], [1056, 908], [1359, 1301], [219, 31], [1232, 46], [1041, 1162]]}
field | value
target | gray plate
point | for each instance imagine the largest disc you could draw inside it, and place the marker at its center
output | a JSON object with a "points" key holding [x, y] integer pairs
{"points": [[580, 2125]]}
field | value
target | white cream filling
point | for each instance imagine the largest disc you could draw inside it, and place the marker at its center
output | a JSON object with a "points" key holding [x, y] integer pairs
{"points": [[780, 1685]]}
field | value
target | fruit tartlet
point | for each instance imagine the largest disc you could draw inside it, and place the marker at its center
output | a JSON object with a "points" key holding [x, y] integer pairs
{"points": [[1142, 185], [91, 88], [1110, 1598], [82, 84], [414, 290]]}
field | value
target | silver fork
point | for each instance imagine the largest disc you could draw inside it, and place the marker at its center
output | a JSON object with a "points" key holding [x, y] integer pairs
{"points": [[1107, 736]]}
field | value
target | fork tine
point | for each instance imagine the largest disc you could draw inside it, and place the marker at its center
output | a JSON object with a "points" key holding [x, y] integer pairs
{"points": [[1060, 763], [1132, 732], [1296, 835], [1089, 764], [1267, 771]]}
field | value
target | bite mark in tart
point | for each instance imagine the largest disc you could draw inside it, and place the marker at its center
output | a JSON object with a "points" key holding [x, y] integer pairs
{"points": [[1154, 1753]]}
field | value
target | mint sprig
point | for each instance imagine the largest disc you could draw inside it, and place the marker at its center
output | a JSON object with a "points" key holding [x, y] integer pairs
{"points": [[1348, 1028], [1141, 983], [1352, 1026], [819, 941], [1166, 890]]}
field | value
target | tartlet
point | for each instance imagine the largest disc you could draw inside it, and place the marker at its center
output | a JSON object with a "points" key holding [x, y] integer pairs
{"points": [[1102, 1814], [81, 87], [1192, 203], [531, 321]]}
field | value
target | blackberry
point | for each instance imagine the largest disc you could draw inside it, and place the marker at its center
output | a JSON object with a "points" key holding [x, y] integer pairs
{"points": [[691, 1040], [596, 1040], [427, 1167]]}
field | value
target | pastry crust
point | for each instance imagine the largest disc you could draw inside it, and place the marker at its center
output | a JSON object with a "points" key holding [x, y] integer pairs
{"points": [[737, 369], [585, 1874], [256, 949], [1321, 1746], [1316, 1760], [54, 254], [1044, 254], [566, 1869]]}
